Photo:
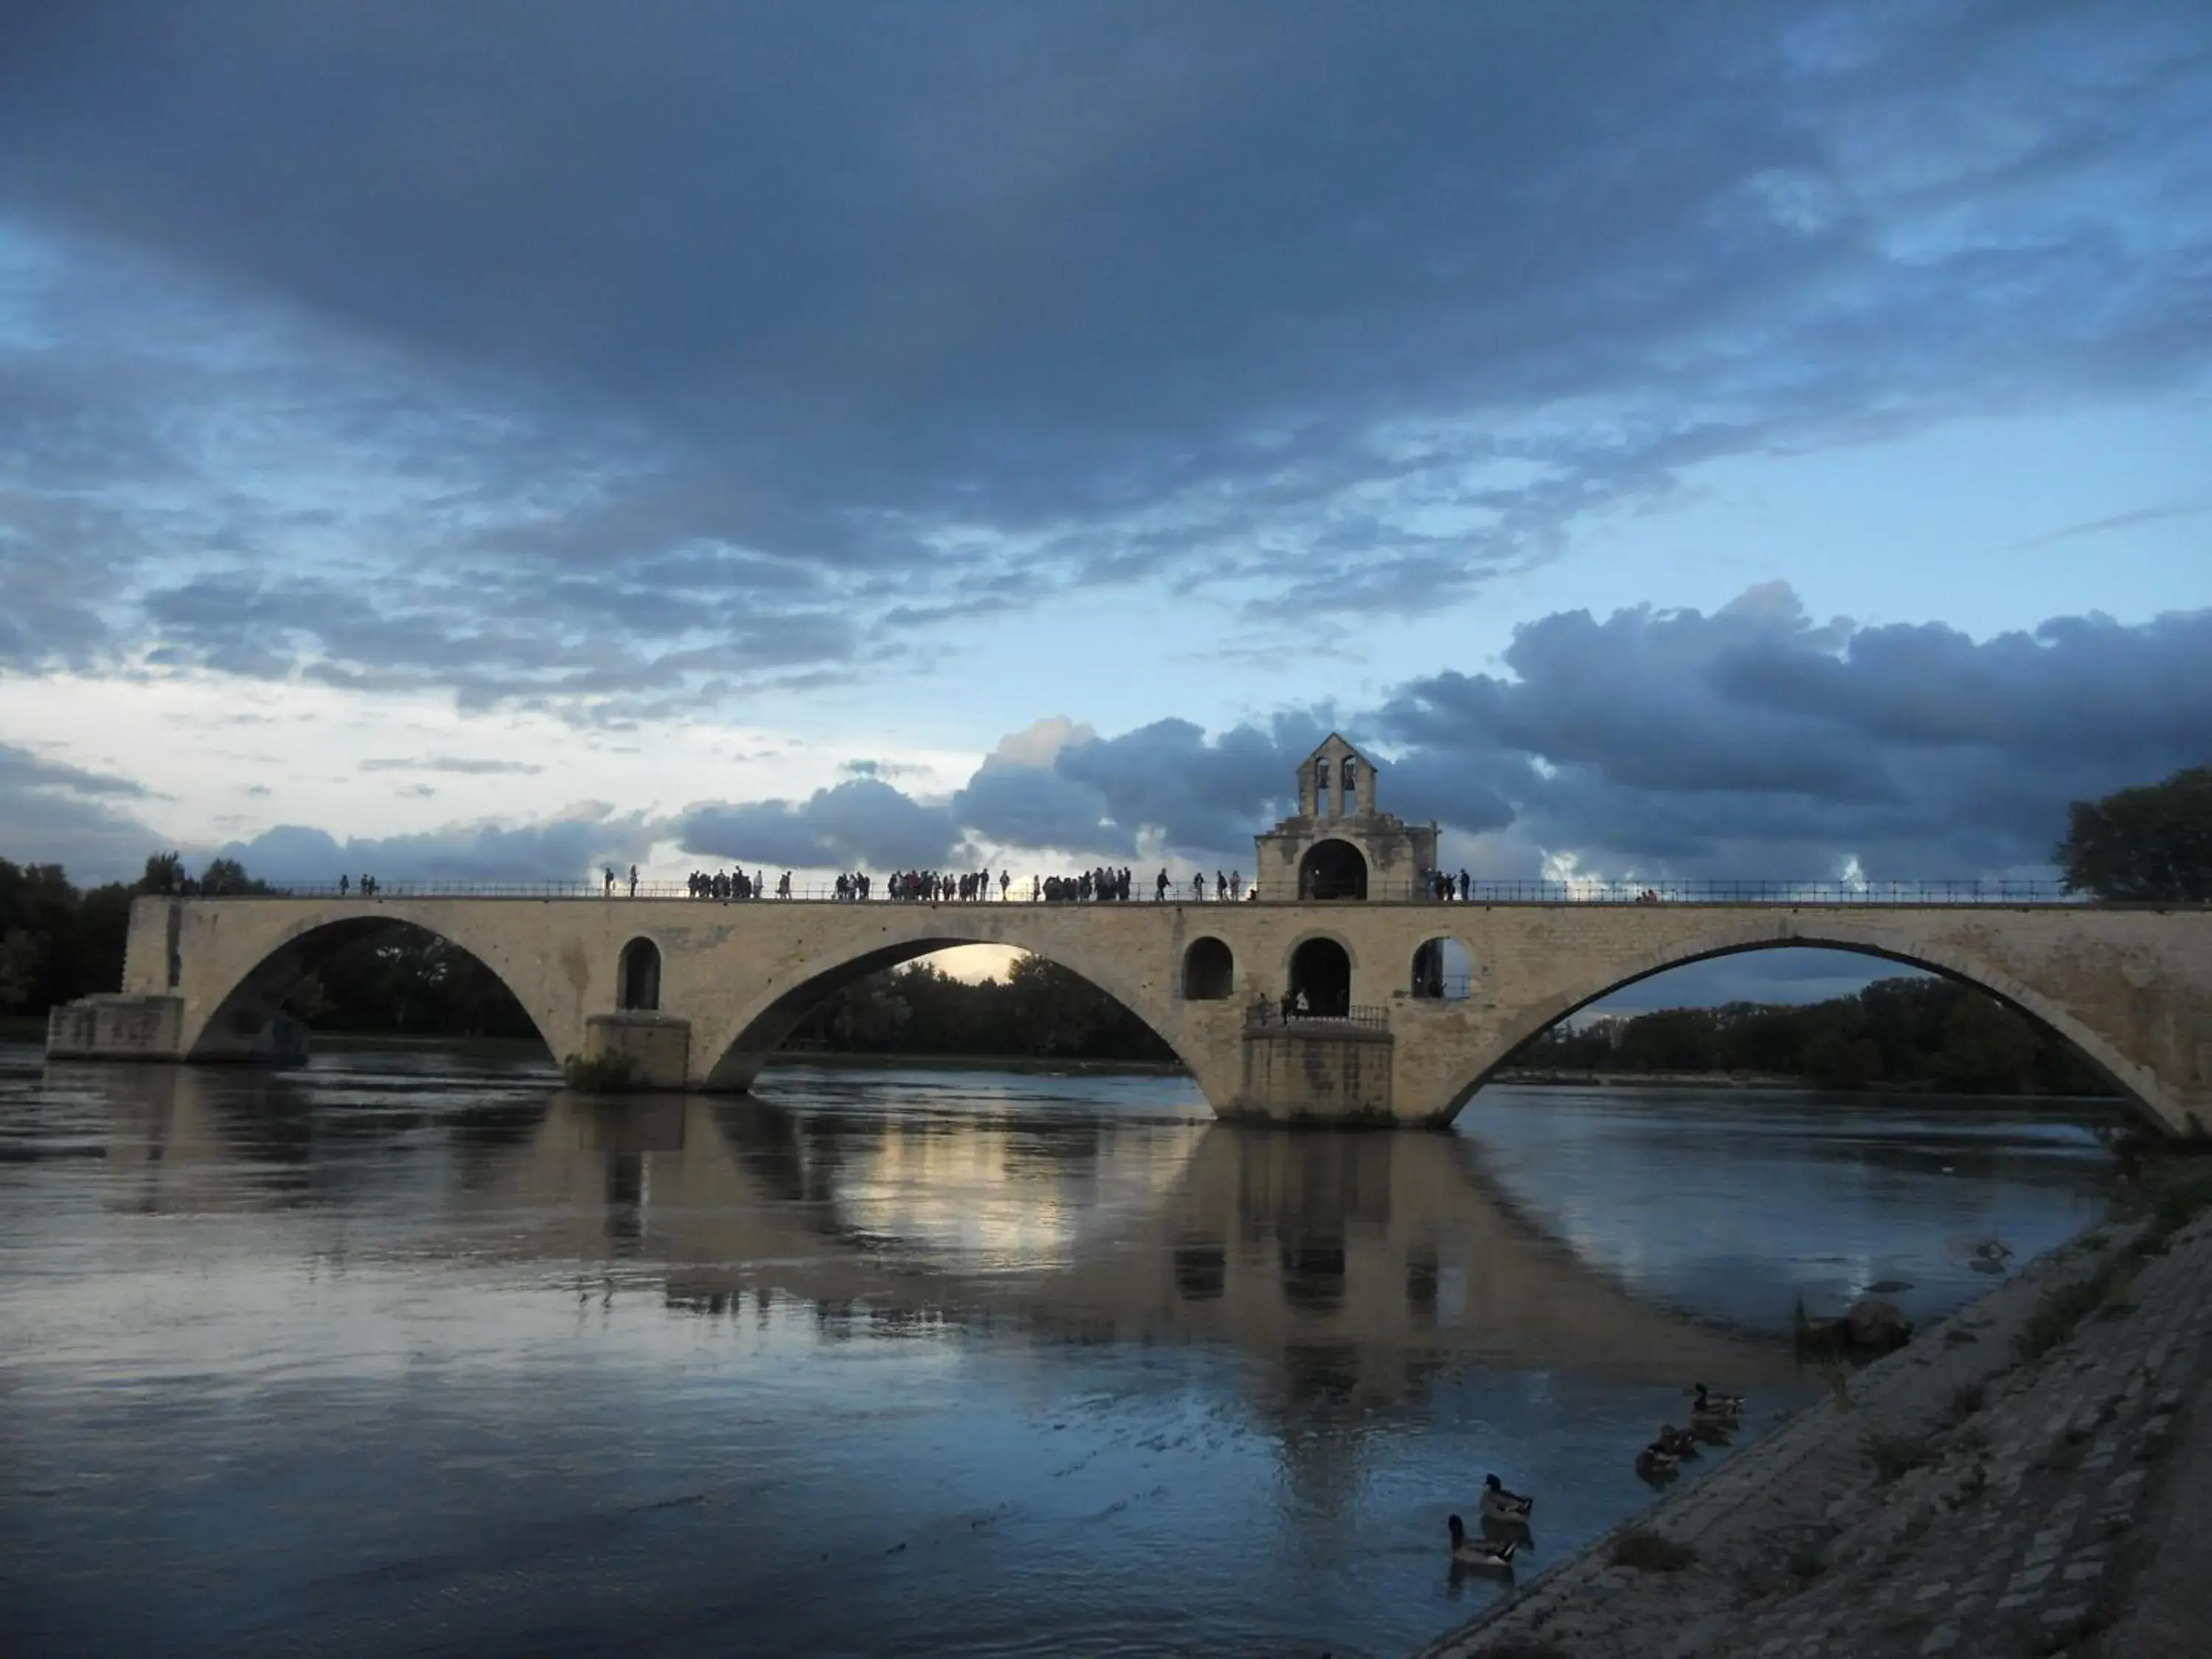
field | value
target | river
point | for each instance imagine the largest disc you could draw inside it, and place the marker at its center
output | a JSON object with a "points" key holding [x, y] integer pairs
{"points": [[410, 1351]]}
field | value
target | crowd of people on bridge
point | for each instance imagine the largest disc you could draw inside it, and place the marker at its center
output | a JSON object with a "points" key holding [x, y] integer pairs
{"points": [[1103, 885], [717, 884]]}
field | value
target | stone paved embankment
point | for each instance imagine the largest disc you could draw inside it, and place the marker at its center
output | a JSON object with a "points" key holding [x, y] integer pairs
{"points": [[1965, 1503]]}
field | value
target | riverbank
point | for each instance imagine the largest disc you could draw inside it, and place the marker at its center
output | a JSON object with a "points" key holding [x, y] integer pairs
{"points": [[1993, 1489]]}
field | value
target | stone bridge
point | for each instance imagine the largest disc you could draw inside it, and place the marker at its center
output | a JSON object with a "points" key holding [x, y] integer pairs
{"points": [[696, 994]]}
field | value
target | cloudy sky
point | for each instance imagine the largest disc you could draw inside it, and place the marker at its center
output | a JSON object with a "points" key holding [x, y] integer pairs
{"points": [[1684, 440]]}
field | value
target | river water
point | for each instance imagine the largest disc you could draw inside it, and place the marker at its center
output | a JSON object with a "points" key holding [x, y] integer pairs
{"points": [[410, 1351]]}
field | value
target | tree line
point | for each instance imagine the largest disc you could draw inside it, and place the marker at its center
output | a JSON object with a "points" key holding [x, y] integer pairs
{"points": [[1895, 1033]]}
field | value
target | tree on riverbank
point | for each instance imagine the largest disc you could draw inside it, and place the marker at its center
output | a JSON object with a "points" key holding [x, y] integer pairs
{"points": [[58, 943], [1896, 1033], [2147, 844], [1040, 1009]]}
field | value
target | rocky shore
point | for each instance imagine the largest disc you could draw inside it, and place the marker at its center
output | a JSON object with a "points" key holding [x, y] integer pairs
{"points": [[1999, 1488]]}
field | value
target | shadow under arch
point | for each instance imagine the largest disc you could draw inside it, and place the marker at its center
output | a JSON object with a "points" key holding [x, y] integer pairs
{"points": [[244, 1010], [2022, 998], [760, 1030]]}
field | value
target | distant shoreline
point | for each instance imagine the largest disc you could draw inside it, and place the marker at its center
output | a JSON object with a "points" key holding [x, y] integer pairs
{"points": [[1748, 1080]]}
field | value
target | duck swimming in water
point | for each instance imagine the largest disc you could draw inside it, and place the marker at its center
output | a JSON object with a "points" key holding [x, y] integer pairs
{"points": [[1676, 1443], [1500, 1505], [1484, 1553], [1654, 1466], [1705, 1403]]}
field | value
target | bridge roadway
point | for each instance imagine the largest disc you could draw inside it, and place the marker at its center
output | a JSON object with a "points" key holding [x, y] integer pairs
{"points": [[2130, 985]]}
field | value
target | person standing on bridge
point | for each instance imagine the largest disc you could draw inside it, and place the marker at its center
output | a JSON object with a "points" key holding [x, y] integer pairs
{"points": [[341, 886], [1160, 889], [1466, 888], [632, 881], [1198, 886], [607, 889]]}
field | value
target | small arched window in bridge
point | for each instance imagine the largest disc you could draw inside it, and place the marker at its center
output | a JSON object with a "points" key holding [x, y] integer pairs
{"points": [[637, 980]]}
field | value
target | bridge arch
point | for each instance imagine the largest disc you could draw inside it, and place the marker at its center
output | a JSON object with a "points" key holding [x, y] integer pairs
{"points": [[1742, 938], [225, 1020], [1320, 970], [743, 1044], [1332, 869], [637, 976], [1442, 970], [1209, 970]]}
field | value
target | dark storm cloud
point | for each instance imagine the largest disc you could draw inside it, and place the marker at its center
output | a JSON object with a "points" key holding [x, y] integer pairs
{"points": [[1754, 744], [1758, 741], [51, 813], [559, 849], [862, 823], [1205, 794], [717, 341]]}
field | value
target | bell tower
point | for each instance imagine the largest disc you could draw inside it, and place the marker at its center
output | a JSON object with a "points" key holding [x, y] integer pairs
{"points": [[1340, 844]]}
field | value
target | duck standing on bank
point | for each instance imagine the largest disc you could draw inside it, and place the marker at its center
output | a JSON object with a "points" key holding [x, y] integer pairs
{"points": [[1488, 1555], [1500, 1504]]}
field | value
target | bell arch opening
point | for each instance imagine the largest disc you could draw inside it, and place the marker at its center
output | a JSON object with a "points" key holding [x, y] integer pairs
{"points": [[637, 977], [1320, 979], [1443, 970], [1948, 1026], [888, 1000], [369, 975], [1209, 971], [1332, 869]]}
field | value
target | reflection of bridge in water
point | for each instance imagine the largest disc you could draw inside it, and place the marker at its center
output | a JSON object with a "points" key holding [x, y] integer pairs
{"points": [[1351, 1264]]}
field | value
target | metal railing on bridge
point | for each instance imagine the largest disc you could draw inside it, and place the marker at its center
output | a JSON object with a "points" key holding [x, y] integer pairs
{"points": [[1263, 1013], [1963, 891]]}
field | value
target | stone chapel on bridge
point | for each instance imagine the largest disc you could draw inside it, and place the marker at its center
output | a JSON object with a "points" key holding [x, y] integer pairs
{"points": [[1340, 844]]}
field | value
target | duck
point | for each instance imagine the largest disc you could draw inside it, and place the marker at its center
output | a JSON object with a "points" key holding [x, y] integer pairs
{"points": [[1500, 1504], [1486, 1553], [1676, 1443], [1705, 1403], [1654, 1466]]}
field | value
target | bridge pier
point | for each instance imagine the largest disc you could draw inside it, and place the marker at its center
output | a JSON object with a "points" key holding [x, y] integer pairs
{"points": [[117, 1028], [654, 1050], [1322, 1072]]}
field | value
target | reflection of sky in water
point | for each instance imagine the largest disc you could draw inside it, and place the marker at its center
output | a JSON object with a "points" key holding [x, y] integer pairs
{"points": [[1734, 1202], [404, 1354]]}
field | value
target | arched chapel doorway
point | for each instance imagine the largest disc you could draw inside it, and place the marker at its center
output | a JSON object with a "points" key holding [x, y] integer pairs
{"points": [[1333, 870]]}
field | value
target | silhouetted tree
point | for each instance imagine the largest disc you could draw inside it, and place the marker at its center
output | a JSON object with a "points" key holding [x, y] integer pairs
{"points": [[2152, 842]]}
